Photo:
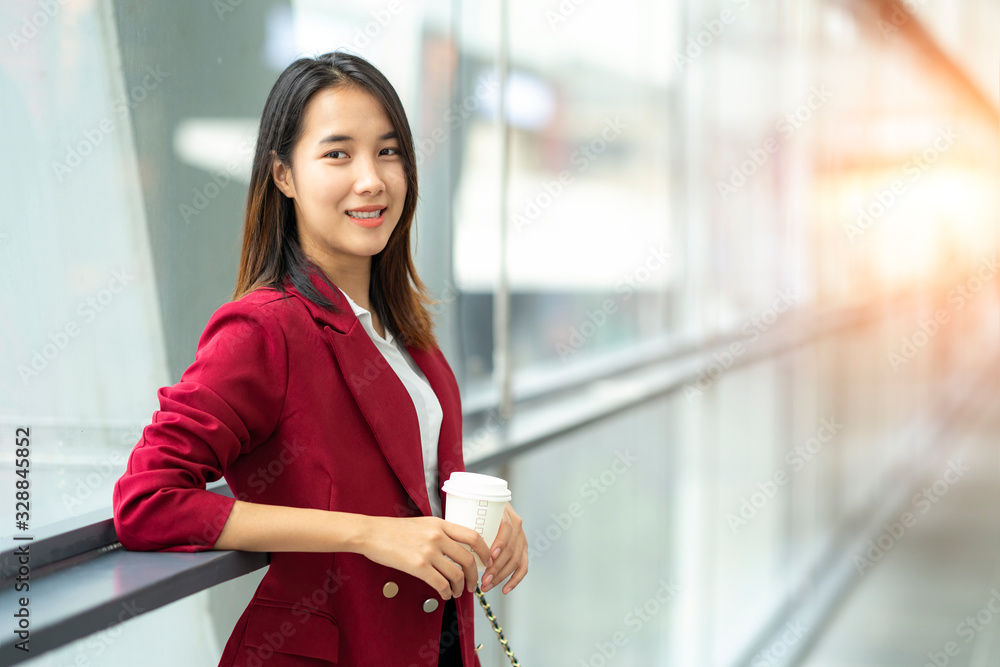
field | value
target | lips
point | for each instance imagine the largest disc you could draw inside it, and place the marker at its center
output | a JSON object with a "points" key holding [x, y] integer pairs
{"points": [[369, 217]]}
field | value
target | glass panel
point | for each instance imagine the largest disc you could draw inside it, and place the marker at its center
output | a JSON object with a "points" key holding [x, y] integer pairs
{"points": [[592, 258], [596, 506], [84, 347]]}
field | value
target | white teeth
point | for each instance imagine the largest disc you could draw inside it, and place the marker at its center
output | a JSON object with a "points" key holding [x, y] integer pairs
{"points": [[365, 214]]}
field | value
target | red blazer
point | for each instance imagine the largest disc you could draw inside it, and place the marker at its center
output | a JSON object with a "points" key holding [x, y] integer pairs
{"points": [[295, 406]]}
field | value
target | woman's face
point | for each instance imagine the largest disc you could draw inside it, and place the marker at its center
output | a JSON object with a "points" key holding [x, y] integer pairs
{"points": [[347, 178]]}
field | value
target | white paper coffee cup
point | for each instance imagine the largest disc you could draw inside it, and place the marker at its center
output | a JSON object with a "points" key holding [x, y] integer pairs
{"points": [[476, 501]]}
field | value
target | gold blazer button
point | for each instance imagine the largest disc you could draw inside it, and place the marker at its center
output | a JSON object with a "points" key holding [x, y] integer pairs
{"points": [[390, 589]]}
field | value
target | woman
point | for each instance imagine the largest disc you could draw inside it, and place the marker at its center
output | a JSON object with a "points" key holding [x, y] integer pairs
{"points": [[321, 395]]}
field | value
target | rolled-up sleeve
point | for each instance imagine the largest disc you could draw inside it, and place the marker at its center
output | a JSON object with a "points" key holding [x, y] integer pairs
{"points": [[226, 403]]}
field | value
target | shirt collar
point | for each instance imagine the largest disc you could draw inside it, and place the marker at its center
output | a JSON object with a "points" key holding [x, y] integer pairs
{"points": [[366, 318]]}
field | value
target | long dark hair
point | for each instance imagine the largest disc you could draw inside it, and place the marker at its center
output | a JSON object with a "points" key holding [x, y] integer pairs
{"points": [[271, 250]]}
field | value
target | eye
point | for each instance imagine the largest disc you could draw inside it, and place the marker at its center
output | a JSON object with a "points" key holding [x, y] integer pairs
{"points": [[336, 154], [389, 151]]}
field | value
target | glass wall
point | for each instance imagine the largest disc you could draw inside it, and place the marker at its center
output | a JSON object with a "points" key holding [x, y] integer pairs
{"points": [[662, 176]]}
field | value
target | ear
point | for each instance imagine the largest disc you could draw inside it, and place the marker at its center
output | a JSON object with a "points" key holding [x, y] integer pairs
{"points": [[282, 175]]}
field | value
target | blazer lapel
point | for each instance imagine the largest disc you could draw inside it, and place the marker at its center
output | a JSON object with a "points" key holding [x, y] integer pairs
{"points": [[378, 391], [439, 376]]}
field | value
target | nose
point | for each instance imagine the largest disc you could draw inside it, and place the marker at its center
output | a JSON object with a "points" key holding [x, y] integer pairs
{"points": [[367, 178]]}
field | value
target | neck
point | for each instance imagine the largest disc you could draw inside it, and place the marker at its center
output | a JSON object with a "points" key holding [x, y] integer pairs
{"points": [[353, 277]]}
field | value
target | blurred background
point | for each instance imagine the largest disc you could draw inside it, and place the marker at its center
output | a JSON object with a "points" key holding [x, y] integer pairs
{"points": [[718, 280]]}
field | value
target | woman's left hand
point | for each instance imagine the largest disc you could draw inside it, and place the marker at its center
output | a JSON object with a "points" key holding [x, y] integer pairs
{"points": [[509, 553]]}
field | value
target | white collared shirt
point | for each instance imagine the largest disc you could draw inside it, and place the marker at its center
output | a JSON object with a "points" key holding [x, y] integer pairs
{"points": [[425, 401]]}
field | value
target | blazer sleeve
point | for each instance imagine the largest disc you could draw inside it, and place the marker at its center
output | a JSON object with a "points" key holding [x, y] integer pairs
{"points": [[227, 402]]}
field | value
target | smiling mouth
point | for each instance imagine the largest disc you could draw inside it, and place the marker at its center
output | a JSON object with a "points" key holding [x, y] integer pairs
{"points": [[366, 215]]}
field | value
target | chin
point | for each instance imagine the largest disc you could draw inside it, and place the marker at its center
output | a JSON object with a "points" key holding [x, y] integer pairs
{"points": [[371, 250]]}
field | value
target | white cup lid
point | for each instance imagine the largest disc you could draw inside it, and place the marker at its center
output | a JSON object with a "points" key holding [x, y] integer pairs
{"points": [[476, 486]]}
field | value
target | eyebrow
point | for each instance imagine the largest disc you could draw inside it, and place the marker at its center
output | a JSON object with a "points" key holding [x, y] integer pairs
{"points": [[337, 138]]}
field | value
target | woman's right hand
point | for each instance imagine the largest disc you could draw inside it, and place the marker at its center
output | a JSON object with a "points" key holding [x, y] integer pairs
{"points": [[428, 548]]}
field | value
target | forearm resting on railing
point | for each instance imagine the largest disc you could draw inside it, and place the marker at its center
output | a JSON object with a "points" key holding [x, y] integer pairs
{"points": [[260, 527]]}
